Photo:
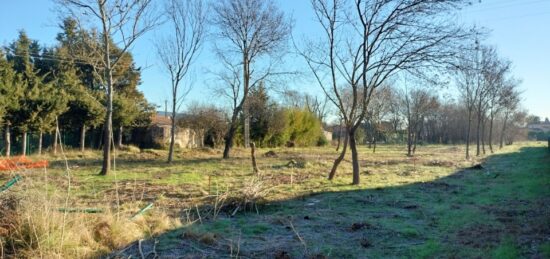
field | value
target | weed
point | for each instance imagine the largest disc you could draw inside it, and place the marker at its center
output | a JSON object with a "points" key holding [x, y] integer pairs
{"points": [[506, 250]]}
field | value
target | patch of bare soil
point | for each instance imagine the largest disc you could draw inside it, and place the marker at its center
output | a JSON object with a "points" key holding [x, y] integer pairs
{"points": [[439, 187], [295, 178], [476, 167], [480, 236], [440, 163], [527, 221], [385, 162], [173, 196], [271, 154], [360, 225]]}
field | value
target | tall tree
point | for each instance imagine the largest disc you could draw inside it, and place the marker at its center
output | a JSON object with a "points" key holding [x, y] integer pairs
{"points": [[22, 53], [85, 109], [121, 23], [252, 29], [178, 51], [379, 108], [417, 104], [365, 47], [11, 89], [495, 72]]}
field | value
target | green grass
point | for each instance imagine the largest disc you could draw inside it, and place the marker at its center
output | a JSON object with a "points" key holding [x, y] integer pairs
{"points": [[422, 207], [506, 250]]}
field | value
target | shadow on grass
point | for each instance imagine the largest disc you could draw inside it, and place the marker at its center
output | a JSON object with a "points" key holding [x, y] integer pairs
{"points": [[471, 213]]}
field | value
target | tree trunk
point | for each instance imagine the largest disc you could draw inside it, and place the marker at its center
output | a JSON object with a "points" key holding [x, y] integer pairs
{"points": [[503, 131], [253, 155], [491, 133], [120, 131], [339, 137], [56, 136], [108, 126], [338, 143], [483, 135], [230, 135], [246, 79], [8, 139], [409, 140], [478, 134], [24, 144], [354, 157], [374, 140], [246, 129], [415, 141], [83, 138], [339, 158], [40, 135], [172, 131], [468, 134]]}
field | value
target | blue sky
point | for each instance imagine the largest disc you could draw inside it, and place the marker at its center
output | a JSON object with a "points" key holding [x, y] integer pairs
{"points": [[519, 28]]}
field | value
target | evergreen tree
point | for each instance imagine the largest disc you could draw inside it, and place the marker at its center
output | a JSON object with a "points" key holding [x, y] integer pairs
{"points": [[10, 92]]}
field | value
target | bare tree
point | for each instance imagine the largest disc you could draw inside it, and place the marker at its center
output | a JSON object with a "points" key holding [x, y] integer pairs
{"points": [[467, 81], [367, 46], [380, 105], [208, 121], [494, 72], [417, 104], [317, 106], [179, 49], [510, 99], [121, 23], [313, 103], [250, 29]]}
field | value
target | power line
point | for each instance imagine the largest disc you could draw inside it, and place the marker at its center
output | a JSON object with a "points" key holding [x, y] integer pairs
{"points": [[518, 16], [523, 3], [50, 57]]}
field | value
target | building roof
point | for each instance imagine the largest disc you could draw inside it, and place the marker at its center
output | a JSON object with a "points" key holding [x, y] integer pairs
{"points": [[160, 120]]}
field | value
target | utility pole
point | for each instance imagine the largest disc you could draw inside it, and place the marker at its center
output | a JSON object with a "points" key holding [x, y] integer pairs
{"points": [[165, 108]]}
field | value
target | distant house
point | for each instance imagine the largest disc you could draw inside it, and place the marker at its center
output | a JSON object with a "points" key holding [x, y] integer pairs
{"points": [[328, 135], [158, 134], [543, 126]]}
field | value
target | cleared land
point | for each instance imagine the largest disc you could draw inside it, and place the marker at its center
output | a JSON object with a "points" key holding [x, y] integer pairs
{"points": [[429, 205]]}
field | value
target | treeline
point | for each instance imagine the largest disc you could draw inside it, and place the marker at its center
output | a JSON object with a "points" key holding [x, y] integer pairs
{"points": [[48, 90], [486, 111], [420, 116]]}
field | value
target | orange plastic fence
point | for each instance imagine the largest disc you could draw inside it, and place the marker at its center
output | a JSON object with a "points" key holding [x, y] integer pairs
{"points": [[21, 162]]}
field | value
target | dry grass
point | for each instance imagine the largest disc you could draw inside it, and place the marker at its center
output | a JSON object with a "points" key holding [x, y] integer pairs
{"points": [[33, 224], [219, 198]]}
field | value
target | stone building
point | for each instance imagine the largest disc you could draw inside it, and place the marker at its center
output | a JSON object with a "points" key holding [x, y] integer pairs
{"points": [[158, 134]]}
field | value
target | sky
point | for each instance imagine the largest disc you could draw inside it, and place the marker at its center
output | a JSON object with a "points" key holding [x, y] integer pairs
{"points": [[519, 29]]}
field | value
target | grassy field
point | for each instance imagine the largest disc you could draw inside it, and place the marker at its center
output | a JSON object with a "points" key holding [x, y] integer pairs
{"points": [[430, 205]]}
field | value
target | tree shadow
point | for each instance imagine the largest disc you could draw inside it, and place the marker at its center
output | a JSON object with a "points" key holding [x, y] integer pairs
{"points": [[466, 214]]}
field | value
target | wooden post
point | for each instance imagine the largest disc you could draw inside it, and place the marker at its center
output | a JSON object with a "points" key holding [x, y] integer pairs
{"points": [[253, 150]]}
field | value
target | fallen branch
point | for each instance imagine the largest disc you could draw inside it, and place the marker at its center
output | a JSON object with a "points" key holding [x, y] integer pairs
{"points": [[85, 210]]}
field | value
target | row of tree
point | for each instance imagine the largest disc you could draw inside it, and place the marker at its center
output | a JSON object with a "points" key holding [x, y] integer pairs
{"points": [[419, 114], [364, 46], [48, 89]]}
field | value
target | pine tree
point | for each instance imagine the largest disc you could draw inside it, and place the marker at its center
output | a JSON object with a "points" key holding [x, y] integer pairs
{"points": [[11, 89]]}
